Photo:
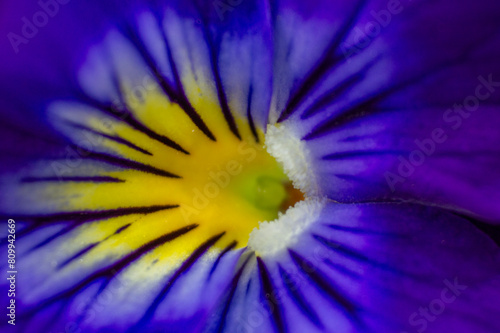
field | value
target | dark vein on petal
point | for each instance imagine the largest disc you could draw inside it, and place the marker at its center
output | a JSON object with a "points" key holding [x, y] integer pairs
{"points": [[12, 153], [353, 112], [324, 64], [365, 180], [109, 272], [249, 114], [77, 221], [184, 102], [298, 298], [176, 96], [129, 164], [322, 283], [119, 230], [367, 106], [331, 95], [491, 230], [342, 269], [230, 296], [92, 215], [128, 118], [228, 248], [111, 137], [136, 124], [269, 293], [221, 94], [361, 153], [148, 315], [372, 185], [91, 246], [132, 121], [6, 125], [77, 255], [61, 308], [362, 231], [337, 91], [91, 301], [76, 179], [74, 224], [49, 239], [348, 252], [249, 284]]}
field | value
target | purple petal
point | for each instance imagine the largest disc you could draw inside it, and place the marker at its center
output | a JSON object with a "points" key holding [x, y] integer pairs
{"points": [[406, 107], [373, 267]]}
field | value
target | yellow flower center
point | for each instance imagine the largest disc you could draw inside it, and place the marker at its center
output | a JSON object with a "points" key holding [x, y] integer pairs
{"points": [[226, 184]]}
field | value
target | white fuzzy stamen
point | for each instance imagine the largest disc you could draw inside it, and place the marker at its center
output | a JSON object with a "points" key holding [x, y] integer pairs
{"points": [[273, 237], [293, 156]]}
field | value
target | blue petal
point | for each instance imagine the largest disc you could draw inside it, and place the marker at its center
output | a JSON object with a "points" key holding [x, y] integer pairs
{"points": [[372, 267], [377, 110]]}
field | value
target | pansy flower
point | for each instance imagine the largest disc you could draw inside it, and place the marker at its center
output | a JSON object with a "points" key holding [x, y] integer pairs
{"points": [[250, 166]]}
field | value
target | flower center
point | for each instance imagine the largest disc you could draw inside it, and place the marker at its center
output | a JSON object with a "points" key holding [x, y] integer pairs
{"points": [[223, 183], [234, 187]]}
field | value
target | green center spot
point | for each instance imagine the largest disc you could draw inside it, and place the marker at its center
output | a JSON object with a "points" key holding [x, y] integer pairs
{"points": [[270, 193], [266, 190]]}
